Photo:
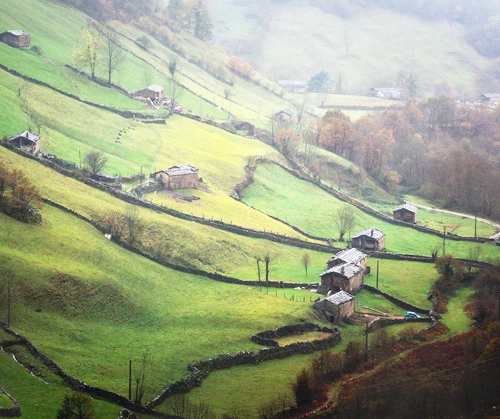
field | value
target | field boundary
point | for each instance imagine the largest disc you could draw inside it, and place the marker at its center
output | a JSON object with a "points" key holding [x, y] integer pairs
{"points": [[78, 385], [202, 369], [10, 412]]}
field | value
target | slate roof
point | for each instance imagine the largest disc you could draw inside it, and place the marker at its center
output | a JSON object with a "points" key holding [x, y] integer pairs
{"points": [[407, 207], [339, 298], [349, 256], [491, 95], [285, 111], [17, 32], [27, 136], [299, 83], [181, 170], [388, 91], [370, 232], [347, 270], [156, 88]]}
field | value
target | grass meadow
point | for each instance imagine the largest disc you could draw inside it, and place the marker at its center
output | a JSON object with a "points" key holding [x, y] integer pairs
{"points": [[274, 189]]}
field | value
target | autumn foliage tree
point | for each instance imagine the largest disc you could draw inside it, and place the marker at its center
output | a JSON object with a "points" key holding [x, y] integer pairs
{"points": [[88, 52], [287, 141]]}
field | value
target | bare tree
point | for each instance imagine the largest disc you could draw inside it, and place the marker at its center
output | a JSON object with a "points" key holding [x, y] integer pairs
{"points": [[7, 294], [435, 250], [268, 260], [95, 161], [344, 220], [310, 136], [134, 226], [306, 260], [142, 376], [175, 90], [258, 260], [113, 54]]}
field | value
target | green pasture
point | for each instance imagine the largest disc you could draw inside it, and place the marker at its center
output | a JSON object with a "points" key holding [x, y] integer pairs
{"points": [[213, 204], [456, 317], [92, 306], [313, 210], [187, 243]]}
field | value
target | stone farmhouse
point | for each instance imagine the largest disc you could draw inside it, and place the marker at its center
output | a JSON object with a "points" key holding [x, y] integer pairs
{"points": [[293, 86], [352, 255], [184, 176], [405, 212], [386, 92], [369, 239], [284, 116], [337, 306], [16, 38], [154, 92], [491, 98], [347, 277], [26, 141]]}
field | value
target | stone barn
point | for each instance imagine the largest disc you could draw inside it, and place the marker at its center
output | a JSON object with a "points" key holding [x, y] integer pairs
{"points": [[16, 38], [284, 116], [293, 86], [405, 212], [369, 239], [154, 92], [337, 306], [184, 176], [26, 141], [345, 277], [353, 256]]}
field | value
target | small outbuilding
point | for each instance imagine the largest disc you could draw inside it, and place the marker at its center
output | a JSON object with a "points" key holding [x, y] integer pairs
{"points": [[184, 176], [16, 38], [26, 141], [352, 255], [284, 116], [491, 98], [293, 86], [387, 93], [153, 92], [405, 212], [337, 306], [369, 239], [347, 277]]}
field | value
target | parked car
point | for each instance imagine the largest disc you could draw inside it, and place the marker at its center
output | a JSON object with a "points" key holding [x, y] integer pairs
{"points": [[178, 109], [412, 315]]}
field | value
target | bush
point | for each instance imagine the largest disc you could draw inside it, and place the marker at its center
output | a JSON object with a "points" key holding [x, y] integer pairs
{"points": [[36, 49], [303, 389], [76, 406]]}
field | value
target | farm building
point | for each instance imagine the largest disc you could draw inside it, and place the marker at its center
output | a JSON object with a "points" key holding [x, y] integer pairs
{"points": [[244, 126], [16, 38], [284, 116], [353, 256], [153, 92], [337, 306], [26, 141], [491, 98], [184, 176], [347, 277], [386, 92], [405, 212], [369, 239], [293, 86]]}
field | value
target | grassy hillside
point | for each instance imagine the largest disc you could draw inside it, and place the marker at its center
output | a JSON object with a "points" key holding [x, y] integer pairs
{"points": [[274, 189], [108, 305], [297, 40]]}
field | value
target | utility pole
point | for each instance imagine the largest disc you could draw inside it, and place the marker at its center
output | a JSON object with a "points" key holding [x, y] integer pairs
{"points": [[80, 155], [213, 108], [378, 264], [475, 226], [130, 380], [498, 313], [444, 241], [199, 106], [366, 341]]}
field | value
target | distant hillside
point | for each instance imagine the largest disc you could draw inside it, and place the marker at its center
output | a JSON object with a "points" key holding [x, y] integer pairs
{"points": [[360, 48]]}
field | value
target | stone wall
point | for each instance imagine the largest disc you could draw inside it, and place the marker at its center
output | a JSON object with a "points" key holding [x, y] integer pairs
{"points": [[397, 301], [202, 369], [10, 412], [383, 322], [268, 337]]}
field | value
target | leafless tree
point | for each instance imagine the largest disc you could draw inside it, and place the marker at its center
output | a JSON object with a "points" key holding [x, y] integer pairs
{"points": [[175, 91], [258, 260], [113, 54], [310, 136], [142, 376], [344, 220], [95, 161], [306, 260], [7, 294], [134, 226], [269, 258], [435, 250]]}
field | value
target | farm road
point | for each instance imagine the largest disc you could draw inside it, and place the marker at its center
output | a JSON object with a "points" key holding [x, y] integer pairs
{"points": [[460, 214]]}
